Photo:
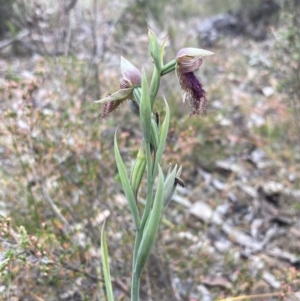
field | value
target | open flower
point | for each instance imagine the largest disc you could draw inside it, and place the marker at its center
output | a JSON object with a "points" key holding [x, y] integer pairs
{"points": [[131, 78], [187, 61]]}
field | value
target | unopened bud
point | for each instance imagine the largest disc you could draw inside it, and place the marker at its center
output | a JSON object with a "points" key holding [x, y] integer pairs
{"points": [[154, 49], [154, 134]]}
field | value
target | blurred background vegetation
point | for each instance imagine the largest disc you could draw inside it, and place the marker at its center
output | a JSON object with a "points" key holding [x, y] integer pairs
{"points": [[57, 175]]}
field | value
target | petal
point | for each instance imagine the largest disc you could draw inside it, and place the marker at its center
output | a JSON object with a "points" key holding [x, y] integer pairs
{"points": [[130, 72], [122, 94], [194, 52]]}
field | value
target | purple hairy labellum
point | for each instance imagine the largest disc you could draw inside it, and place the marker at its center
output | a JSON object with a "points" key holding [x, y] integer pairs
{"points": [[109, 107], [193, 92]]}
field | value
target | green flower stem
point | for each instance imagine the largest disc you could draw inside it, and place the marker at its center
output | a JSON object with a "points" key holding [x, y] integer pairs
{"points": [[145, 110], [137, 93], [154, 86], [150, 182], [137, 241], [135, 280], [169, 67], [135, 287]]}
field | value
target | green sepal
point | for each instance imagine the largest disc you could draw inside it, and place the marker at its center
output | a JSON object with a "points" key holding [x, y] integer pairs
{"points": [[120, 96], [126, 184]]}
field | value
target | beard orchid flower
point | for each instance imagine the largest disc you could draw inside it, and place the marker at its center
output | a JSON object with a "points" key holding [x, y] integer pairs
{"points": [[131, 79], [187, 61]]}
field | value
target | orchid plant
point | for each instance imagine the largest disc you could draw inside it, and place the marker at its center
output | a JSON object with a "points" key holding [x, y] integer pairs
{"points": [[141, 97]]}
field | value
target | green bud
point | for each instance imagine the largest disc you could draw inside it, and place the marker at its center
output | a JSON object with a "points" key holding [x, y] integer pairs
{"points": [[154, 134], [154, 49]]}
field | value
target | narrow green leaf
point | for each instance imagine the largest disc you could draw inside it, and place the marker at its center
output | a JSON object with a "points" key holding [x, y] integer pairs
{"points": [[145, 109], [138, 170], [150, 181], [126, 184], [151, 227], [105, 266], [162, 138]]}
